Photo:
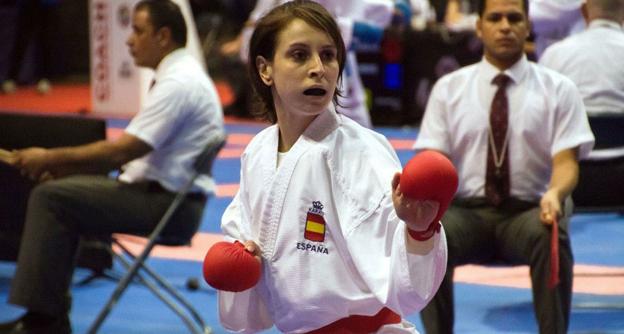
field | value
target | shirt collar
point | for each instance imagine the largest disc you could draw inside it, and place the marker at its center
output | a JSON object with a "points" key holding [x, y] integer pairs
{"points": [[168, 60], [606, 24], [516, 72]]}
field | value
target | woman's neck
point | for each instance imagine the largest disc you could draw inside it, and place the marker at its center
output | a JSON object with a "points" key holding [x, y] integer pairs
{"points": [[291, 126]]}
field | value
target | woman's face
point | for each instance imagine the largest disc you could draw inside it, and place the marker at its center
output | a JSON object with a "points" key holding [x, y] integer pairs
{"points": [[304, 70]]}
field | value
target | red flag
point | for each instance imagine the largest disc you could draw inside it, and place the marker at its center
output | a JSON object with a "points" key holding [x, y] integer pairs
{"points": [[554, 255]]}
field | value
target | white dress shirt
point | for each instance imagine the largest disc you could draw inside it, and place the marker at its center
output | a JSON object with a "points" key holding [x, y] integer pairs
{"points": [[180, 114], [546, 116], [554, 20], [594, 61]]}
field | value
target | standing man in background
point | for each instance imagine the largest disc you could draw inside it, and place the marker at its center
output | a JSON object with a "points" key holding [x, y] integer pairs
{"points": [[592, 59], [37, 27], [156, 154], [515, 132]]}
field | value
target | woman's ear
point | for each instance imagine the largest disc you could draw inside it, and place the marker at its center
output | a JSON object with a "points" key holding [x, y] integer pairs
{"points": [[264, 70]]}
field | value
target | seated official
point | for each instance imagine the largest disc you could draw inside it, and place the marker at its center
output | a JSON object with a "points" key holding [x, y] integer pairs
{"points": [[155, 153]]}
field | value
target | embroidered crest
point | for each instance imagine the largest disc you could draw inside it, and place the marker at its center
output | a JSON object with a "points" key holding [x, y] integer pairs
{"points": [[315, 223]]}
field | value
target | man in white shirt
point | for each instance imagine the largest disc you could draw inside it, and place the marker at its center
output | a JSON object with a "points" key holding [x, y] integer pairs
{"points": [[554, 20], [516, 148], [593, 59], [156, 154]]}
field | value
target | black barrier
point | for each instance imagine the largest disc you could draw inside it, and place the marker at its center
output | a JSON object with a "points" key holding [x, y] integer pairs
{"points": [[20, 131], [601, 179]]}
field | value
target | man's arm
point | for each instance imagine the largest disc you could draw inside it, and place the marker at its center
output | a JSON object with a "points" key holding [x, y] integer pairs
{"points": [[565, 171], [96, 157]]}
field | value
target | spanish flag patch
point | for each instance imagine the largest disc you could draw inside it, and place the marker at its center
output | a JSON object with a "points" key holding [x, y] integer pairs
{"points": [[315, 223]]}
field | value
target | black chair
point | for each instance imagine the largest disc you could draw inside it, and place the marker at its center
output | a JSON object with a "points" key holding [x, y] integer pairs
{"points": [[601, 175], [203, 165]]}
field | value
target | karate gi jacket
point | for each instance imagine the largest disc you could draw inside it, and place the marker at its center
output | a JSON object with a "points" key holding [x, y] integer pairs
{"points": [[331, 242]]}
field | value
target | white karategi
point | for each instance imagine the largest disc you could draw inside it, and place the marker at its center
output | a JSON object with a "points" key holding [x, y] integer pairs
{"points": [[373, 12], [342, 172]]}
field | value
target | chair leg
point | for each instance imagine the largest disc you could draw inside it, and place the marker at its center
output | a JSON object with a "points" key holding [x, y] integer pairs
{"points": [[133, 270], [176, 295], [170, 289], [169, 302], [599, 305], [119, 290], [95, 275]]}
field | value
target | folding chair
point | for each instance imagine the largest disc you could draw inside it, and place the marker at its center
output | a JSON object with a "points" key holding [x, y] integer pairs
{"points": [[601, 185], [203, 165]]}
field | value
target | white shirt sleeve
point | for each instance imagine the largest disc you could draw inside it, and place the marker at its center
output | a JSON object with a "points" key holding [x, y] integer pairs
{"points": [[549, 57], [159, 116], [433, 129], [571, 122]]}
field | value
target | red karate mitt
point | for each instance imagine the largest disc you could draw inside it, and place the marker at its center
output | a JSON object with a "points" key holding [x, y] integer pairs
{"points": [[429, 175], [229, 267]]}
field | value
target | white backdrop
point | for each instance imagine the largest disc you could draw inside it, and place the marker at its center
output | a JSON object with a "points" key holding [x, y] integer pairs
{"points": [[117, 85]]}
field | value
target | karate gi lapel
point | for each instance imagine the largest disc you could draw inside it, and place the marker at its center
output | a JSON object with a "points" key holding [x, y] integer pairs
{"points": [[277, 181]]}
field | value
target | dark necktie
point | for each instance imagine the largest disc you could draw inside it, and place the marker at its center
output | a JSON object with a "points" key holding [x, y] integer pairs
{"points": [[152, 83], [497, 174]]}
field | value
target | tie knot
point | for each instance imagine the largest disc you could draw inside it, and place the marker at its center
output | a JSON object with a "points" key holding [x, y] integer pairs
{"points": [[501, 80]]}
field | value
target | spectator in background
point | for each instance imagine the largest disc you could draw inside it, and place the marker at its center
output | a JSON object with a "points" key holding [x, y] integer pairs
{"points": [[515, 131], [459, 15], [423, 13], [218, 23], [220, 20], [594, 58], [155, 153], [554, 20], [35, 28]]}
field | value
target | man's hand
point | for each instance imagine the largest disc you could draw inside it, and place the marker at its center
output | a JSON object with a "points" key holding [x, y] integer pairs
{"points": [[551, 207], [418, 215], [7, 157], [34, 163]]}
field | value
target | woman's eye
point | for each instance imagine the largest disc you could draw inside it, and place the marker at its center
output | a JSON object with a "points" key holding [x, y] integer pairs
{"points": [[328, 55], [299, 55]]}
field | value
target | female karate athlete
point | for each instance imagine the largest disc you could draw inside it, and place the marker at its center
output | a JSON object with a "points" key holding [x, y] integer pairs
{"points": [[319, 202]]}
